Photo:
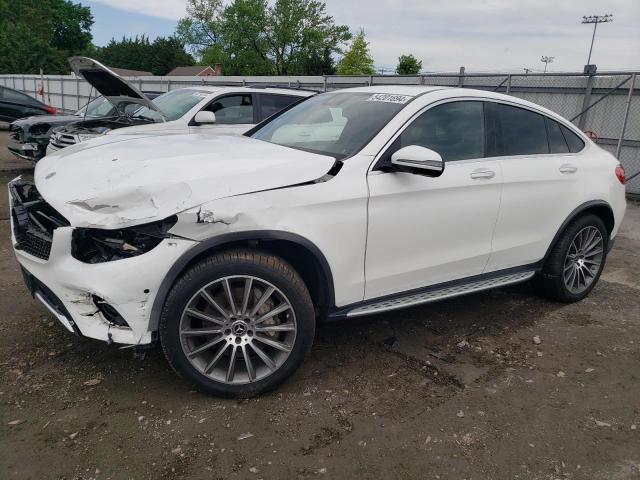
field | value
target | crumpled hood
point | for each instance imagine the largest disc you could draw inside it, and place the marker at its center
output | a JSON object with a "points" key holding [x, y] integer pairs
{"points": [[50, 119], [115, 181]]}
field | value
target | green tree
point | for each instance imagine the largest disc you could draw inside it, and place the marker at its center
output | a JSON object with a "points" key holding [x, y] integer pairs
{"points": [[357, 60], [167, 54], [132, 53], [38, 34], [300, 30], [138, 53], [252, 37], [408, 65], [243, 42], [201, 28]]}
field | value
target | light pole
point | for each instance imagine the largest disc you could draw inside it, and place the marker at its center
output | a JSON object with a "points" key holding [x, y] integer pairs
{"points": [[595, 19], [546, 61]]}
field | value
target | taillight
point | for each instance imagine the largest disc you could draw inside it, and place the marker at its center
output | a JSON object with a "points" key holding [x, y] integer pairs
{"points": [[620, 174], [50, 110]]}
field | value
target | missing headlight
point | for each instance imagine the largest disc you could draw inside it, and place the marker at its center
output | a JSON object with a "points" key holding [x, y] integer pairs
{"points": [[93, 245]]}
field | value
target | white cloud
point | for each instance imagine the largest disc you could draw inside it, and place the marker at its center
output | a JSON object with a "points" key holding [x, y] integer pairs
{"points": [[479, 34], [494, 34], [169, 9]]}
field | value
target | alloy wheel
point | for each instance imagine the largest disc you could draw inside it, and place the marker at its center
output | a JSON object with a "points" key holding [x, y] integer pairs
{"points": [[583, 260], [238, 329]]}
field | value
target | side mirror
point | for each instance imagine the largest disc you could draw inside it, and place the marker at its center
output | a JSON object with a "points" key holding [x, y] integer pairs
{"points": [[419, 160], [204, 117]]}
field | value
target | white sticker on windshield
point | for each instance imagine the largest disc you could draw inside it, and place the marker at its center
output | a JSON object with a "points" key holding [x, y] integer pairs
{"points": [[200, 95], [389, 97]]}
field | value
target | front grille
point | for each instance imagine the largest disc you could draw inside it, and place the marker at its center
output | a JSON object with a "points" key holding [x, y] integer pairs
{"points": [[34, 220], [36, 244], [62, 140]]}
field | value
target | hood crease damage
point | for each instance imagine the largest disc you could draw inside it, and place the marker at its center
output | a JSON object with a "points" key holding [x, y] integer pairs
{"points": [[154, 178]]}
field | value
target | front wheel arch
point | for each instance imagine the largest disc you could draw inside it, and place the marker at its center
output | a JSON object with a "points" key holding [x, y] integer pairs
{"points": [[305, 257]]}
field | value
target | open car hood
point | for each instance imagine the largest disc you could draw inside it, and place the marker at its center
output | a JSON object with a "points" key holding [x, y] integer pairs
{"points": [[119, 181], [109, 84]]}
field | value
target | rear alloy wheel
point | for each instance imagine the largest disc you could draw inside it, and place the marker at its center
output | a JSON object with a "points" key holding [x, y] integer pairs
{"points": [[238, 323], [583, 260], [576, 261]]}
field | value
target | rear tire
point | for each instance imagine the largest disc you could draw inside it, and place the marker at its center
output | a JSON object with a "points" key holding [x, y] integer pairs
{"points": [[575, 262], [237, 323]]}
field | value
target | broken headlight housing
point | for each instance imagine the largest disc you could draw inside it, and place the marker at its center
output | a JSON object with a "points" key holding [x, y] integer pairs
{"points": [[95, 245]]}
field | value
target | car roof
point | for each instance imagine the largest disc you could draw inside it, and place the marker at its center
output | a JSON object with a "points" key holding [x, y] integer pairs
{"points": [[240, 89], [455, 92], [412, 90]]}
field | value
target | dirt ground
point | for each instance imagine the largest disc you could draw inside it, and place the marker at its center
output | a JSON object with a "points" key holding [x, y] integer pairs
{"points": [[454, 390]]}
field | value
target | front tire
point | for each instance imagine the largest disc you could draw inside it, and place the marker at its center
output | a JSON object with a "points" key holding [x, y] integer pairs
{"points": [[575, 262], [237, 323]]}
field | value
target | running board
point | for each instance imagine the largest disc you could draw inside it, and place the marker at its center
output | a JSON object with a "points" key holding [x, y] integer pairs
{"points": [[436, 294]]}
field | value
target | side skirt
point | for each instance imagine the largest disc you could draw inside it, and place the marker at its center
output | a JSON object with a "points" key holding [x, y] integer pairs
{"points": [[435, 293]]}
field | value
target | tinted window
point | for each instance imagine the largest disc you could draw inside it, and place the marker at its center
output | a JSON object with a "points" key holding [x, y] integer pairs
{"points": [[455, 130], [522, 132], [274, 103], [557, 143], [17, 97], [233, 109], [575, 142]]}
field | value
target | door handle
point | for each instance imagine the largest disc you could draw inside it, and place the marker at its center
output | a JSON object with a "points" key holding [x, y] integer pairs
{"points": [[566, 168], [483, 174]]}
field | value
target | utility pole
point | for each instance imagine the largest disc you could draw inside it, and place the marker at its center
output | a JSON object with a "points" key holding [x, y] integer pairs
{"points": [[595, 19], [546, 60]]}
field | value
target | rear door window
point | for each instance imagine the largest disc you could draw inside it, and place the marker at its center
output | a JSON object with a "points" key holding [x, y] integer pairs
{"points": [[521, 131], [574, 141], [271, 104], [17, 97], [557, 143]]}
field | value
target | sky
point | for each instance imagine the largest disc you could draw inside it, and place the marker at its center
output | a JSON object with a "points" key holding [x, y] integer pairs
{"points": [[482, 35]]}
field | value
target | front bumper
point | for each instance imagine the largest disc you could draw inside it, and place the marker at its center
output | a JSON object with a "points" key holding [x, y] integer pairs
{"points": [[26, 150], [68, 287]]}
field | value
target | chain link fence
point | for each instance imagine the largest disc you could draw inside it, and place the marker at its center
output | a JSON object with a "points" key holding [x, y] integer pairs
{"points": [[606, 105]]}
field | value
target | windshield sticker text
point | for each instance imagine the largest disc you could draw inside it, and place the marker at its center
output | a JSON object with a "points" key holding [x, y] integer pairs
{"points": [[389, 98]]}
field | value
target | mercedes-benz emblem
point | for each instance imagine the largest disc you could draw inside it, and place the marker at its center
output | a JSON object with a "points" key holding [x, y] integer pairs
{"points": [[239, 328]]}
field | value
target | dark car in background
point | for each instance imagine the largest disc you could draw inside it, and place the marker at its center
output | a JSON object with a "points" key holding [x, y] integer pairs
{"points": [[29, 137], [15, 104]]}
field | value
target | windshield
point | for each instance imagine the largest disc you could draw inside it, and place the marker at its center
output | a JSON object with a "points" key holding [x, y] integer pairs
{"points": [[173, 104], [338, 124], [98, 107]]}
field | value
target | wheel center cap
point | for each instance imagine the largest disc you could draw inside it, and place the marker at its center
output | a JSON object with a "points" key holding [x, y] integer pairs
{"points": [[238, 328]]}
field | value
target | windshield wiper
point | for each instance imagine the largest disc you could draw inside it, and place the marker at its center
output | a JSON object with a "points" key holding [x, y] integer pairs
{"points": [[144, 117]]}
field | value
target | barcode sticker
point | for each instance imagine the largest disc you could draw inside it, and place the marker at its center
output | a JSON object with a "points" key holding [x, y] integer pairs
{"points": [[389, 98]]}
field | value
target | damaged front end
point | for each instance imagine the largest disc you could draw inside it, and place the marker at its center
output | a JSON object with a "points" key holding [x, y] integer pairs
{"points": [[34, 220], [93, 245], [29, 142]]}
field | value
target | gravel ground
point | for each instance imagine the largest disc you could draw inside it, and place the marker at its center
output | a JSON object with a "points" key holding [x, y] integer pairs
{"points": [[495, 385]]}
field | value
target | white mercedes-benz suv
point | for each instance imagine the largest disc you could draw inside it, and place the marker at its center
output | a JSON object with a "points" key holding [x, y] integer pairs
{"points": [[227, 250]]}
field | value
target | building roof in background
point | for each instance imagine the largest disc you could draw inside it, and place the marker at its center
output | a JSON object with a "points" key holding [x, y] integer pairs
{"points": [[125, 72], [194, 70]]}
